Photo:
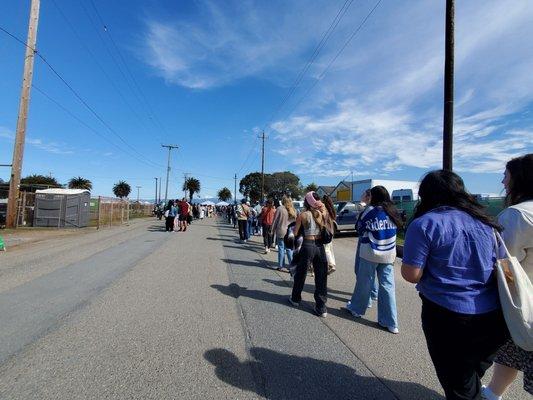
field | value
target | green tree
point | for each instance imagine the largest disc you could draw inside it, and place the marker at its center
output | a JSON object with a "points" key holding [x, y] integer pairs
{"points": [[224, 194], [250, 186], [121, 189], [35, 181], [80, 183], [280, 183], [192, 185], [312, 187]]}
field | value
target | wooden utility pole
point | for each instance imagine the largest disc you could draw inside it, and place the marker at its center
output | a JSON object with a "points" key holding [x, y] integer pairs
{"points": [[262, 166], [447, 133], [155, 198], [18, 150], [170, 147], [138, 189]]}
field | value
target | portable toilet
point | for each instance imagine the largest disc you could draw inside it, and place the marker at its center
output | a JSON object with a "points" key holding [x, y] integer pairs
{"points": [[62, 208]]}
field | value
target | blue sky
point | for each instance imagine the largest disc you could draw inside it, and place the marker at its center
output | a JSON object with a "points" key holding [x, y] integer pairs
{"points": [[212, 75]]}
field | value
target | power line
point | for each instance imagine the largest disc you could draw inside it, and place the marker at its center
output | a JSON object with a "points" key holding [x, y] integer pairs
{"points": [[95, 59], [78, 96], [321, 76], [71, 114], [325, 37], [106, 29]]}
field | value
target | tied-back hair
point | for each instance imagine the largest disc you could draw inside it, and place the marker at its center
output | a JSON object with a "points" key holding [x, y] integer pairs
{"points": [[520, 186], [169, 205], [317, 215], [286, 201], [445, 188], [380, 197]]}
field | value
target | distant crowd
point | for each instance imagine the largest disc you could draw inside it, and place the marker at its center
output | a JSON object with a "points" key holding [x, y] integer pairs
{"points": [[474, 313]]}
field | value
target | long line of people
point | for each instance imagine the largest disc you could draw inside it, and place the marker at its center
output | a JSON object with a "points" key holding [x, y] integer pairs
{"points": [[450, 252]]}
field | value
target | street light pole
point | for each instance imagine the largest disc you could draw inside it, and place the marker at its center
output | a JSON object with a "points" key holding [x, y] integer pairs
{"points": [[155, 198], [235, 191], [447, 133], [138, 187]]}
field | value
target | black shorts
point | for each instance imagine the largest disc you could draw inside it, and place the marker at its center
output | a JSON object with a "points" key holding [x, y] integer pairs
{"points": [[182, 217]]}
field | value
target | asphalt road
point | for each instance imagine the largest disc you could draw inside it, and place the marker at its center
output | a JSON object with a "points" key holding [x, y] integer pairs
{"points": [[137, 313]]}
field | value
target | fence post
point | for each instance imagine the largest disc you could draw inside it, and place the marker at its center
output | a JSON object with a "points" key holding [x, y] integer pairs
{"points": [[98, 215], [111, 215]]}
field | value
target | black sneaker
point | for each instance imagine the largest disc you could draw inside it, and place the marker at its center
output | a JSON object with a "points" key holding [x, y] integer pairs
{"points": [[294, 303], [321, 314]]}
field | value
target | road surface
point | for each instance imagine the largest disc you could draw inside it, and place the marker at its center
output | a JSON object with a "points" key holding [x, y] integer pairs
{"points": [[136, 313]]}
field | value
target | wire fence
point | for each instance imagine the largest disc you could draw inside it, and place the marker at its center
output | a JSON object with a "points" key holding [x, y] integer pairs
{"points": [[103, 211]]}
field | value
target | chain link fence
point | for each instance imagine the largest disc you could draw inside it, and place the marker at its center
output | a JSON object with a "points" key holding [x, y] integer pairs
{"points": [[104, 211]]}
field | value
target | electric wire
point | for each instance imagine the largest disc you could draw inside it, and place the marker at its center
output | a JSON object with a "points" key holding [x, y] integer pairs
{"points": [[95, 59], [78, 96], [72, 115], [325, 71], [152, 115], [325, 37]]}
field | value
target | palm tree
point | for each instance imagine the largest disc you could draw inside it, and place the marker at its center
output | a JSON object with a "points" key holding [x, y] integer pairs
{"points": [[192, 185], [224, 194], [121, 189], [80, 183]]}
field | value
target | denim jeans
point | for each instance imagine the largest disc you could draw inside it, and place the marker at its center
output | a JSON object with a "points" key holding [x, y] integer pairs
{"points": [[314, 253], [249, 229], [367, 270], [243, 229], [375, 285], [281, 253]]}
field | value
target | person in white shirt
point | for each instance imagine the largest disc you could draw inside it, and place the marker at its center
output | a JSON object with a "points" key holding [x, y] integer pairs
{"points": [[517, 221]]}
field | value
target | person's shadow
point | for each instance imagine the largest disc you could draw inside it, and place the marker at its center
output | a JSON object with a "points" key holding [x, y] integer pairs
{"points": [[277, 376]]}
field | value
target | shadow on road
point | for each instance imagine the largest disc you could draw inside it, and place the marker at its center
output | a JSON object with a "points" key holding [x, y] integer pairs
{"points": [[236, 291], [309, 288], [285, 376], [256, 263]]}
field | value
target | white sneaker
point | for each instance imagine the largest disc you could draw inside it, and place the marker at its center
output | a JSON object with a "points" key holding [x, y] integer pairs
{"points": [[390, 329], [487, 394], [321, 314]]}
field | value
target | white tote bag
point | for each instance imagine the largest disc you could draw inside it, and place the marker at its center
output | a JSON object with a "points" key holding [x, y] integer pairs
{"points": [[516, 297]]}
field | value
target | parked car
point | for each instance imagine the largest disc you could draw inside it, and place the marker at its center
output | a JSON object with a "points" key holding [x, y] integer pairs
{"points": [[298, 205], [347, 213]]}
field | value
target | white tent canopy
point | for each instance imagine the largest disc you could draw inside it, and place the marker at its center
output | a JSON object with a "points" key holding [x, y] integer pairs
{"points": [[222, 204], [207, 203]]}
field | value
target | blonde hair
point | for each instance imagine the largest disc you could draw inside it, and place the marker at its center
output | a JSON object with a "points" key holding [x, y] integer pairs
{"points": [[287, 203]]}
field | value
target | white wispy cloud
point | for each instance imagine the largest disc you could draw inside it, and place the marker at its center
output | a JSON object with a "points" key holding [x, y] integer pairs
{"points": [[379, 109], [49, 147]]}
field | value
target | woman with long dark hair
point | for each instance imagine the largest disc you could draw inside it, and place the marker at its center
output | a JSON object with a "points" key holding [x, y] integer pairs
{"points": [[517, 222], [450, 252], [312, 222], [377, 252]]}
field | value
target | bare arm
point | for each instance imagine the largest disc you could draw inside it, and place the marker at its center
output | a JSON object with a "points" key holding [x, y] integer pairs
{"points": [[411, 273], [298, 224]]}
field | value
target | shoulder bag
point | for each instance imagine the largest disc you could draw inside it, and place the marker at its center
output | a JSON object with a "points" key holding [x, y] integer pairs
{"points": [[516, 296]]}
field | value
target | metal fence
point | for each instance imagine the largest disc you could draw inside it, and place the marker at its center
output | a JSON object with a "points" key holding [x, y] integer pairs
{"points": [[494, 206], [104, 211], [109, 211]]}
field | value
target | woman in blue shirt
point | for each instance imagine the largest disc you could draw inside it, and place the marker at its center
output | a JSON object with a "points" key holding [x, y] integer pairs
{"points": [[450, 253]]}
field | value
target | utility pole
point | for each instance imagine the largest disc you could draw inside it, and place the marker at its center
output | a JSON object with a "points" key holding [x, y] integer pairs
{"points": [[235, 192], [447, 133], [138, 187], [352, 187], [18, 150], [262, 166], [160, 183], [155, 198], [170, 147]]}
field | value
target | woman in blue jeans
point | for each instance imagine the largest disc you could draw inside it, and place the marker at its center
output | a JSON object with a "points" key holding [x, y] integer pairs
{"points": [[377, 252], [285, 214]]}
